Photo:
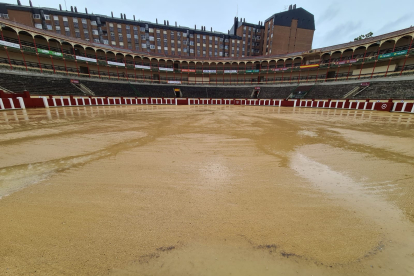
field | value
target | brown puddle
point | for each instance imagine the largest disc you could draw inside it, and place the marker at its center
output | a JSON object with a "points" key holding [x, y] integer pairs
{"points": [[206, 190]]}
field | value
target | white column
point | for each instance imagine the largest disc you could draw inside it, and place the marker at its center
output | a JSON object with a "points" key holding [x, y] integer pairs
{"points": [[280, 103], [54, 101], [357, 105], [404, 106], [412, 109], [317, 105], [102, 101], [83, 101], [2, 105], [337, 102], [373, 105], [311, 103], [350, 105], [76, 101], [22, 106], [61, 101], [365, 105], [90, 102], [11, 103], [394, 107], [330, 104]]}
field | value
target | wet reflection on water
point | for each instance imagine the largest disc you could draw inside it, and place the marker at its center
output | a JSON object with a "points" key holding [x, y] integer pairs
{"points": [[92, 111]]}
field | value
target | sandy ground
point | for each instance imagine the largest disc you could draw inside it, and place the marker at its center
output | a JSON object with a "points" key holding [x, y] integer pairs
{"points": [[206, 190]]}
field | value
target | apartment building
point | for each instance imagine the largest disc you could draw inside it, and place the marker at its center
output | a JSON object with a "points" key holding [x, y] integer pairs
{"points": [[281, 33]]}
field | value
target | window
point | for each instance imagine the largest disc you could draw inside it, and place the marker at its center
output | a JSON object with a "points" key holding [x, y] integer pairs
{"points": [[57, 28], [165, 48], [135, 28], [142, 29], [105, 41], [226, 40], [144, 45], [36, 16], [93, 23], [121, 44], [151, 38], [184, 34], [39, 26], [111, 24], [159, 47], [95, 32], [84, 21], [179, 49], [185, 50], [96, 40], [158, 31], [192, 51], [191, 43], [55, 17], [113, 42], [65, 18], [49, 27], [151, 30], [143, 37], [216, 39], [47, 17], [164, 32], [198, 36], [119, 25], [210, 38]]}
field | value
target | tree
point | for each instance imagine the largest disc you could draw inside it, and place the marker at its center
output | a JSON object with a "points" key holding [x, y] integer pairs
{"points": [[368, 35]]}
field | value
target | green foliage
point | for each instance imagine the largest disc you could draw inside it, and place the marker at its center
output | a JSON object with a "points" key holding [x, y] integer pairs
{"points": [[368, 35]]}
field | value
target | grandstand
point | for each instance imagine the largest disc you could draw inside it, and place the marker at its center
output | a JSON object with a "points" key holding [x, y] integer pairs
{"points": [[45, 63]]}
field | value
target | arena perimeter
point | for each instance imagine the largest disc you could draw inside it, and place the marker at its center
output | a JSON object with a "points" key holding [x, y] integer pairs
{"points": [[206, 190]]}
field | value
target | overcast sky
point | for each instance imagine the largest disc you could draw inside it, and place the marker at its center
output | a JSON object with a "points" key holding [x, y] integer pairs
{"points": [[336, 21]]}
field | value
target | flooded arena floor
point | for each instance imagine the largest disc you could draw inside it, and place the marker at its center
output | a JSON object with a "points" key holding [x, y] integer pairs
{"points": [[206, 190]]}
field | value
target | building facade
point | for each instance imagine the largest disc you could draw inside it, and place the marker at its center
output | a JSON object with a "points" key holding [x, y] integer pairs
{"points": [[285, 32]]}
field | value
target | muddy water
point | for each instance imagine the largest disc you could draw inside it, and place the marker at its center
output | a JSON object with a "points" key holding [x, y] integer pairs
{"points": [[206, 190]]}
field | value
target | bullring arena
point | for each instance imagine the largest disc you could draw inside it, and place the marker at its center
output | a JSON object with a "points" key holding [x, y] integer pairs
{"points": [[290, 174]]}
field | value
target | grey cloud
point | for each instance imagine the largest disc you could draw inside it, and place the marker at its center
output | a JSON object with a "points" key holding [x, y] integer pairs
{"points": [[340, 34], [330, 13], [395, 25]]}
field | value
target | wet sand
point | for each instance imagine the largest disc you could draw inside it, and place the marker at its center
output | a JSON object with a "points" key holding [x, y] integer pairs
{"points": [[206, 190]]}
